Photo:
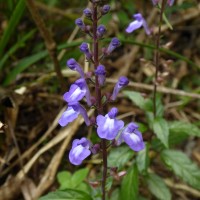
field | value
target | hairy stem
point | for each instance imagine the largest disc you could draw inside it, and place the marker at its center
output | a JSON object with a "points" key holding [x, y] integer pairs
{"points": [[157, 56], [98, 97]]}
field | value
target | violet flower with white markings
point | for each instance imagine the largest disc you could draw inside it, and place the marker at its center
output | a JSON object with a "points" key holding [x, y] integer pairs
{"points": [[85, 49], [139, 22], [77, 91], [108, 125], [72, 113], [80, 151], [101, 73], [122, 82], [133, 137], [73, 65]]}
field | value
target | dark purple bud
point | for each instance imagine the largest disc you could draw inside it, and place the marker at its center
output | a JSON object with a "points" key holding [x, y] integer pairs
{"points": [[87, 12], [105, 9], [112, 46], [101, 30], [79, 22], [100, 72], [85, 49], [73, 65], [95, 149], [113, 113], [123, 81]]}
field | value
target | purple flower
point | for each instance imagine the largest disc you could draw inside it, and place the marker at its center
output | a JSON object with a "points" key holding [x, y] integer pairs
{"points": [[155, 2], [169, 2], [105, 9], [133, 137], [73, 65], [79, 22], [101, 73], [72, 113], [87, 12], [85, 49], [139, 22], [80, 150], [77, 91], [112, 46], [122, 82], [108, 125], [101, 30]]}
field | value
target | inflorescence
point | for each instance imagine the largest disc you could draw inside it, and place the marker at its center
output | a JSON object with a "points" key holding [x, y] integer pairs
{"points": [[108, 126]]}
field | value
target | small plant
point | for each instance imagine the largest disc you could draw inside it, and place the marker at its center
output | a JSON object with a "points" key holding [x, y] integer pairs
{"points": [[112, 132]]}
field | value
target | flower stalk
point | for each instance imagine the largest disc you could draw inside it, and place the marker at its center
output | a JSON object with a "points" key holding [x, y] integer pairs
{"points": [[157, 56], [98, 96]]}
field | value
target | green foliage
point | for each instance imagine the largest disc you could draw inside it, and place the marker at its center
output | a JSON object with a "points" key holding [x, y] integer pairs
{"points": [[13, 22], [129, 186], [68, 194], [161, 129], [158, 187], [142, 160], [182, 166], [67, 180], [119, 156]]}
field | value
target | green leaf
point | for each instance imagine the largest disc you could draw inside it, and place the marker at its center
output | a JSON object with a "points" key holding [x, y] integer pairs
{"points": [[182, 167], [64, 179], [177, 127], [129, 186], [119, 156], [167, 21], [79, 176], [15, 47], [161, 129], [68, 194], [136, 98], [115, 194], [14, 20], [158, 187], [142, 159], [23, 64]]}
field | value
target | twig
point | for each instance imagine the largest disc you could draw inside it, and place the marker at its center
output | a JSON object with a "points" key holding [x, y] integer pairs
{"points": [[186, 188], [159, 89], [49, 41]]}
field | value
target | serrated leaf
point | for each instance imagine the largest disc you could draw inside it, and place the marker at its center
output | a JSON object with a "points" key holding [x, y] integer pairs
{"points": [[158, 187], [184, 127], [119, 156], [161, 129], [136, 98], [64, 179], [182, 167], [129, 186], [142, 159], [68, 194], [79, 176]]}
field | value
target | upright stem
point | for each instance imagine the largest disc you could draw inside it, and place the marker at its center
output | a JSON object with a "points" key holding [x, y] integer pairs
{"points": [[98, 97], [157, 56]]}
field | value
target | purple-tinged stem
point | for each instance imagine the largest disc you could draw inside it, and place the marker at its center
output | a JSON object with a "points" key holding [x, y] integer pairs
{"points": [[98, 96], [157, 55]]}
